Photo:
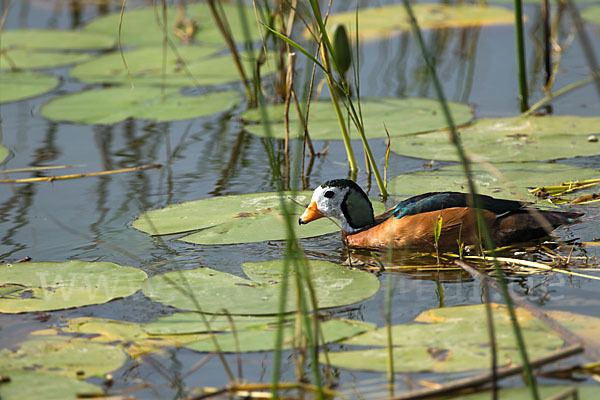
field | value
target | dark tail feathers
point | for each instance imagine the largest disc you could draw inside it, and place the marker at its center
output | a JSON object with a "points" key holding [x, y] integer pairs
{"points": [[528, 224]]}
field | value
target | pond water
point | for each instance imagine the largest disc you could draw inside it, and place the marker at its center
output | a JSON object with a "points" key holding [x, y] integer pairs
{"points": [[91, 219]]}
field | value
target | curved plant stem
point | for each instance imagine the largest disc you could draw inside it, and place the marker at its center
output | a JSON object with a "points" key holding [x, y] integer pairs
{"points": [[558, 93]]}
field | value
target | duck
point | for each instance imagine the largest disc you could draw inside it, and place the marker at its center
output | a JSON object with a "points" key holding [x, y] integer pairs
{"points": [[411, 223]]}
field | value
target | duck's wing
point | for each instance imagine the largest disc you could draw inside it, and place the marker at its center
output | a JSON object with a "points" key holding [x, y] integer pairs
{"points": [[440, 200]]}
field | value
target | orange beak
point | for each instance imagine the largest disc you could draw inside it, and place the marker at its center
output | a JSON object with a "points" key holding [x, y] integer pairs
{"points": [[310, 214]]}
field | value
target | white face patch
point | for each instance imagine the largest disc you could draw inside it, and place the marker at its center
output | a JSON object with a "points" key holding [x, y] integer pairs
{"points": [[331, 205]]}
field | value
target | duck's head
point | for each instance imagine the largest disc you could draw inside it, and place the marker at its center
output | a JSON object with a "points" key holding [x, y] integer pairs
{"points": [[342, 199]]}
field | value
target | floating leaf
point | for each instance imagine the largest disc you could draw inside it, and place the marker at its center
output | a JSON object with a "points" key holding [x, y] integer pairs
{"points": [[545, 392], [45, 48], [264, 339], [27, 59], [21, 85], [35, 385], [191, 322], [41, 286], [509, 139], [4, 152], [442, 344], [219, 292], [129, 335], [519, 175], [585, 326], [52, 39], [109, 106], [63, 356], [383, 22], [401, 116], [592, 14], [189, 66], [141, 27], [243, 218]]}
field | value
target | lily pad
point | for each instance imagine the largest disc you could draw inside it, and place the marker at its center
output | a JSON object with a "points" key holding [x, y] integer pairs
{"points": [[42, 286], [21, 85], [189, 66], [128, 335], [264, 339], [382, 22], [191, 322], [45, 48], [545, 392], [52, 39], [141, 27], [4, 152], [401, 116], [509, 139], [63, 356], [244, 218], [109, 106], [35, 385], [592, 14], [520, 176], [219, 292], [442, 344], [27, 59]]}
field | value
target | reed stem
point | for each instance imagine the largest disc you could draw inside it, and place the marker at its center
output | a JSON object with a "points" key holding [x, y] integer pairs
{"points": [[521, 54]]}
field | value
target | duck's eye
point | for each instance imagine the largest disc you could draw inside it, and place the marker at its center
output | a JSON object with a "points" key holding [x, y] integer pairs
{"points": [[329, 194]]}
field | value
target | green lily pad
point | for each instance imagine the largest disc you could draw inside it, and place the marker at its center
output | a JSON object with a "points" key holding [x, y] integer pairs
{"points": [[141, 27], [592, 14], [4, 152], [524, 393], [401, 116], [264, 339], [63, 356], [27, 59], [109, 106], [520, 176], [585, 326], [45, 48], [383, 22], [51, 39], [128, 335], [189, 66], [35, 385], [21, 85], [244, 218], [42, 286], [191, 322], [442, 344], [509, 139], [219, 292]]}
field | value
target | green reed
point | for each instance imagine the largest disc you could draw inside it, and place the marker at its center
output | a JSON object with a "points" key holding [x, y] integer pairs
{"points": [[521, 55], [339, 90]]}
